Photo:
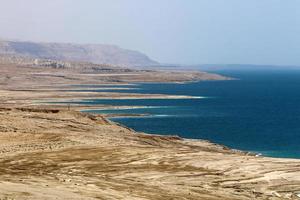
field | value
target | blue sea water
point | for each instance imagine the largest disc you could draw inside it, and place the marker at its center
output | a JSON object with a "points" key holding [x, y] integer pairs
{"points": [[258, 112]]}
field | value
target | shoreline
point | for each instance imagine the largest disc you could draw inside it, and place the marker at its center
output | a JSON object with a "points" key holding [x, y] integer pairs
{"points": [[113, 157], [111, 116], [50, 151], [62, 102]]}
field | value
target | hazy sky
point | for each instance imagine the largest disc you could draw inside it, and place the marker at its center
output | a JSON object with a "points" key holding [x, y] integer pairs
{"points": [[170, 31]]}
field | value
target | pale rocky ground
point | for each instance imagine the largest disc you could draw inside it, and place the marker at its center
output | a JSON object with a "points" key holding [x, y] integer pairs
{"points": [[50, 152]]}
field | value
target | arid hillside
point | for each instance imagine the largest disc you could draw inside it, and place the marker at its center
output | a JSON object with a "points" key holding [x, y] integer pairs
{"points": [[61, 154], [95, 53]]}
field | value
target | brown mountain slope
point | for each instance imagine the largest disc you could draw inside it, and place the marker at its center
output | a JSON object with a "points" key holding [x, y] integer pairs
{"points": [[95, 53]]}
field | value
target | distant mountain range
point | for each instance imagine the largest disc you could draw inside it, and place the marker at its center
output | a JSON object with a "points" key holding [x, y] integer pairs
{"points": [[95, 53]]}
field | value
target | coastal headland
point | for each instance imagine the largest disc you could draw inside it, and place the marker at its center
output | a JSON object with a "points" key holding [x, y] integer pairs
{"points": [[53, 151]]}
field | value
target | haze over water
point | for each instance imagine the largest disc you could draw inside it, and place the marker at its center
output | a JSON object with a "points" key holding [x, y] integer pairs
{"points": [[260, 112]]}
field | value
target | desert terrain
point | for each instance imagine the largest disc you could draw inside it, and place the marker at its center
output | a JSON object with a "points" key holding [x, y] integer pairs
{"points": [[53, 151]]}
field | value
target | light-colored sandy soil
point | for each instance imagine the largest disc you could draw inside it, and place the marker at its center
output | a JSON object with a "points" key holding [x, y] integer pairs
{"points": [[56, 154], [51, 152], [26, 77]]}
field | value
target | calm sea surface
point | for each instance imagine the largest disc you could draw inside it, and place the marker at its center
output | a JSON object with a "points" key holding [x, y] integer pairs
{"points": [[260, 112]]}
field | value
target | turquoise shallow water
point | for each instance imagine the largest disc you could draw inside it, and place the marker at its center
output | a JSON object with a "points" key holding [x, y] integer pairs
{"points": [[260, 112]]}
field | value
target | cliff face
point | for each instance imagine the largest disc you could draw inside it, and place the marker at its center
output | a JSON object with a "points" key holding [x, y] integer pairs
{"points": [[95, 53]]}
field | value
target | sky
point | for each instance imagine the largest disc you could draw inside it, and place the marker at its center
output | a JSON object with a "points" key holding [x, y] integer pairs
{"points": [[169, 31]]}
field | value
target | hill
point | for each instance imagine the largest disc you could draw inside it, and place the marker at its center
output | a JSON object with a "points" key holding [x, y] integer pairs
{"points": [[95, 53]]}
